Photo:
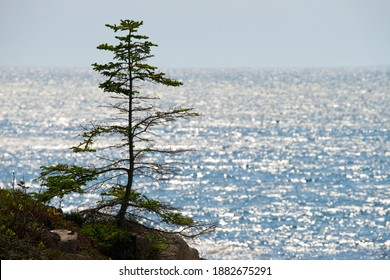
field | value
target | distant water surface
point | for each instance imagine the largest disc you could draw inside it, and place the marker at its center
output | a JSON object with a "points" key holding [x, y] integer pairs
{"points": [[290, 163]]}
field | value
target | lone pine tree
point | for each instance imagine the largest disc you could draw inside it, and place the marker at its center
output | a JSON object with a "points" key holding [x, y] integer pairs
{"points": [[132, 151]]}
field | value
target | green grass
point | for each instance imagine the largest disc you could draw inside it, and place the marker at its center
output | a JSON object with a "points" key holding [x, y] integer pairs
{"points": [[25, 226]]}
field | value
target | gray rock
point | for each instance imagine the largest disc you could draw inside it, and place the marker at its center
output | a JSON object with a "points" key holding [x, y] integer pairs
{"points": [[68, 240], [176, 248]]}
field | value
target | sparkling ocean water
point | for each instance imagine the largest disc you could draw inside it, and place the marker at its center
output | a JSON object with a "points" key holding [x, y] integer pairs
{"points": [[290, 163]]}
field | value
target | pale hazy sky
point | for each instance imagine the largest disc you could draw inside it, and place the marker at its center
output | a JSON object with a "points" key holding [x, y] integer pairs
{"points": [[201, 33]]}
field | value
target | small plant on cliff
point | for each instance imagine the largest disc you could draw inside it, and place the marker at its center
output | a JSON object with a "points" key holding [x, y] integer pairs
{"points": [[126, 146]]}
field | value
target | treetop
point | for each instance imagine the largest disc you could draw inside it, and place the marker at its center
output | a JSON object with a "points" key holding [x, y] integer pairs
{"points": [[126, 24]]}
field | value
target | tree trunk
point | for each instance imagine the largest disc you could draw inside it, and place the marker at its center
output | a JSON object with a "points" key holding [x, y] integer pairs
{"points": [[121, 217]]}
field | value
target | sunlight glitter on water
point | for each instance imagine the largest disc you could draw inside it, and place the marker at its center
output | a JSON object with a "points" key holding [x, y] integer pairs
{"points": [[290, 163]]}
